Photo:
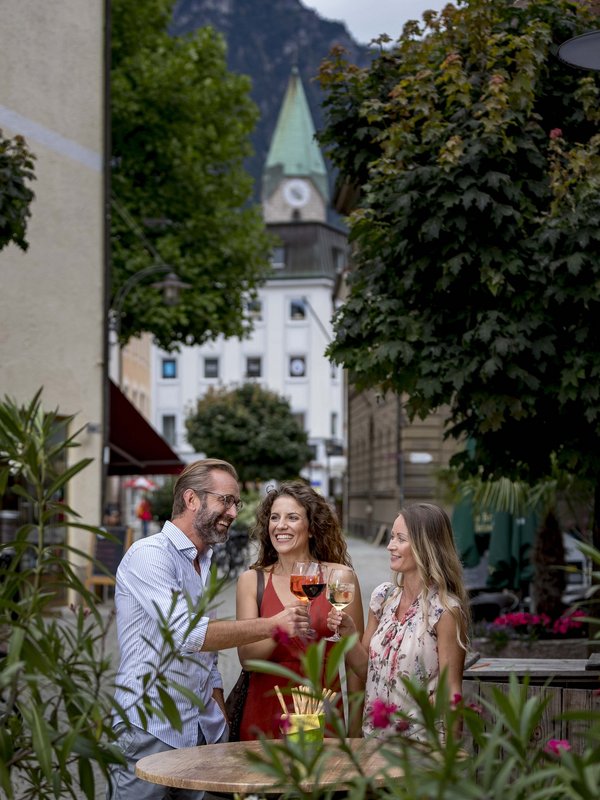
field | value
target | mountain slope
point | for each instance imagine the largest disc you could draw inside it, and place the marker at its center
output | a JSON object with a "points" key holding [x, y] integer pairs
{"points": [[265, 38]]}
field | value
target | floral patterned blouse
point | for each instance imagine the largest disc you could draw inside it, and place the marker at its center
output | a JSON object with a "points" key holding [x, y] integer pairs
{"points": [[401, 648]]}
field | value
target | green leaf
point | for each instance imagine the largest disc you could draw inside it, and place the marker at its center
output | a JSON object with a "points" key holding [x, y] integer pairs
{"points": [[169, 708], [40, 738], [86, 778]]}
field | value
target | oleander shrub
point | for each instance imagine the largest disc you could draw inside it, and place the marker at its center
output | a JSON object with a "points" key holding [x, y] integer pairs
{"points": [[56, 674]]}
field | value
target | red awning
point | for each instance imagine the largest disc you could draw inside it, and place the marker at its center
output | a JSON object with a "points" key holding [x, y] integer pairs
{"points": [[135, 447]]}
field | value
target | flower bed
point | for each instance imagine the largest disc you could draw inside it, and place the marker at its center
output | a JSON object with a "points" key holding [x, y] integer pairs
{"points": [[524, 635], [531, 648]]}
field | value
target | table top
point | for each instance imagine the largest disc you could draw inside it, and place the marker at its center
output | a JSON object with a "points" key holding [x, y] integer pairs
{"points": [[543, 667], [226, 768]]}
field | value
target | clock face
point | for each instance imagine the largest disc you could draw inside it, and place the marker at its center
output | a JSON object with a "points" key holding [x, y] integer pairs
{"points": [[296, 192], [297, 367]]}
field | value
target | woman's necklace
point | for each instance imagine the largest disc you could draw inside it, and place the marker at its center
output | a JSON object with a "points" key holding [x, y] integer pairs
{"points": [[280, 570], [284, 571]]}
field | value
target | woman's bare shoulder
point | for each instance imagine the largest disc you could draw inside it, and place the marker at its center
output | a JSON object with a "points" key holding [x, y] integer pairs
{"points": [[247, 578]]}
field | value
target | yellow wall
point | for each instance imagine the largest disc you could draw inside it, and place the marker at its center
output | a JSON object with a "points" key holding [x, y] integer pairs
{"points": [[52, 296]]}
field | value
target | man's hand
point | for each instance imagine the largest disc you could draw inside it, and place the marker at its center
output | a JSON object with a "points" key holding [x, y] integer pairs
{"points": [[293, 619]]}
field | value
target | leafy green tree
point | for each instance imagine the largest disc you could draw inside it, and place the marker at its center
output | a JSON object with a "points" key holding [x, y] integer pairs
{"points": [[477, 234], [162, 500], [253, 428], [180, 196], [16, 170]]}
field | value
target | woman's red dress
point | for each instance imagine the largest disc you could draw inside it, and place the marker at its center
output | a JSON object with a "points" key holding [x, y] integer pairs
{"points": [[262, 711]]}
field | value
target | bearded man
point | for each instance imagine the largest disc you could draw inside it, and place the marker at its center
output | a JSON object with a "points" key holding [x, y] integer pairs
{"points": [[166, 641]]}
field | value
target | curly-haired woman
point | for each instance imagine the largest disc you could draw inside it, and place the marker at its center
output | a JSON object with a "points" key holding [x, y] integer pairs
{"points": [[293, 523]]}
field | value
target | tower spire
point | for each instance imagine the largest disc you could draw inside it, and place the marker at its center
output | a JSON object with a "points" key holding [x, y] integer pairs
{"points": [[294, 151]]}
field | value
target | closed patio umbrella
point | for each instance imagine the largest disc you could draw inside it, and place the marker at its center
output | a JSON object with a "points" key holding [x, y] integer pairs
{"points": [[463, 526], [509, 557]]}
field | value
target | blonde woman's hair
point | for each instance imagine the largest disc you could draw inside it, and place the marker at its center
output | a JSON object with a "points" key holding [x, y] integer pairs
{"points": [[434, 550]]}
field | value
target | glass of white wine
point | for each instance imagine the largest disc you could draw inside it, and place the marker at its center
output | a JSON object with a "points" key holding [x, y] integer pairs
{"points": [[340, 593]]}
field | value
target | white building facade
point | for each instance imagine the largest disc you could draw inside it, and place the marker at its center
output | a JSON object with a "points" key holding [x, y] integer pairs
{"points": [[292, 316]]}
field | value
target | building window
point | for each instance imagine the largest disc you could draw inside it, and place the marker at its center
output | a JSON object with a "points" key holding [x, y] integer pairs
{"points": [[297, 309], [300, 418], [254, 309], [169, 368], [168, 429], [334, 424], [339, 259], [278, 257], [297, 367], [211, 367], [253, 367]]}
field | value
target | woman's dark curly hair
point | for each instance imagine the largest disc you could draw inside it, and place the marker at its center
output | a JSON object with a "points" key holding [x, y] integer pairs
{"points": [[327, 542]]}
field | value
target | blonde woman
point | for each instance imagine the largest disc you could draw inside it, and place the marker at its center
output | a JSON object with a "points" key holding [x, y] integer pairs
{"points": [[418, 626]]}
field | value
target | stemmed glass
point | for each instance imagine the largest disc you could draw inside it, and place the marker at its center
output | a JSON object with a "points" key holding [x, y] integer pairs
{"points": [[307, 581], [340, 593]]}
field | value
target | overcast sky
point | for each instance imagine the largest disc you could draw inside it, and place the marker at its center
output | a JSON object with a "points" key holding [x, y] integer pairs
{"points": [[367, 19]]}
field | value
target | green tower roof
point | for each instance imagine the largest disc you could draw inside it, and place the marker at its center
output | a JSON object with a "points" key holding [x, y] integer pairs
{"points": [[294, 151]]}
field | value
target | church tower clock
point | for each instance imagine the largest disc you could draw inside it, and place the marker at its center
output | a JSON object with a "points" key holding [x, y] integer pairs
{"points": [[295, 185]]}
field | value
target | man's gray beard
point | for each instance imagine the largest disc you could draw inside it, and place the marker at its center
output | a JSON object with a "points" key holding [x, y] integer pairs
{"points": [[205, 525]]}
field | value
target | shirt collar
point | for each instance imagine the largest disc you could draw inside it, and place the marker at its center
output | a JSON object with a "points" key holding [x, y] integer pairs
{"points": [[183, 543]]}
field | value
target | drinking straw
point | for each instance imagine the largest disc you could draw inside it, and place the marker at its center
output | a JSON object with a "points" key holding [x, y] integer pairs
{"points": [[306, 703], [281, 700]]}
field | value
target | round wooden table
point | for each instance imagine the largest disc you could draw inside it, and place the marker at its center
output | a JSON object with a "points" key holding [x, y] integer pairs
{"points": [[225, 768]]}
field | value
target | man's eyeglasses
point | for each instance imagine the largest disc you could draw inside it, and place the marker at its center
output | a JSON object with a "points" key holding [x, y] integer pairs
{"points": [[228, 500]]}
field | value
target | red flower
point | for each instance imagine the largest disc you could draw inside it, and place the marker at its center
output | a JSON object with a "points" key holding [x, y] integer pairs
{"points": [[402, 725], [381, 713], [555, 746], [556, 133], [456, 700], [280, 636]]}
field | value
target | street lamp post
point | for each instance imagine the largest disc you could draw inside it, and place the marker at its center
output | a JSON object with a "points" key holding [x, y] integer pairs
{"points": [[171, 287]]}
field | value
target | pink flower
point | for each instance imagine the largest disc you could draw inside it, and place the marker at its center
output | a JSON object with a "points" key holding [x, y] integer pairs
{"points": [[456, 700], [555, 746], [556, 133], [568, 622], [381, 713], [402, 725], [285, 724], [280, 636], [475, 707]]}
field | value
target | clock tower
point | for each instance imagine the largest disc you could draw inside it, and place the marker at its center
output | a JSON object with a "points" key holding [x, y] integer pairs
{"points": [[295, 185], [291, 312]]}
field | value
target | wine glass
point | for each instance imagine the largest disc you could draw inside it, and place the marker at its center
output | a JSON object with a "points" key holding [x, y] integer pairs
{"points": [[307, 581], [340, 593]]}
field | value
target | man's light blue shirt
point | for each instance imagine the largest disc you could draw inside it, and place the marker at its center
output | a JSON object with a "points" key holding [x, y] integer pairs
{"points": [[155, 575]]}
